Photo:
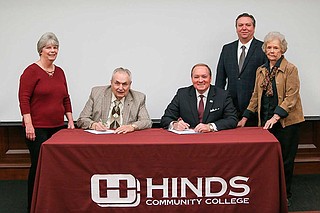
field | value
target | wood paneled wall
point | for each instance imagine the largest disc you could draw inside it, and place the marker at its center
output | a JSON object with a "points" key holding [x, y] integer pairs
{"points": [[14, 155], [308, 157], [15, 162]]}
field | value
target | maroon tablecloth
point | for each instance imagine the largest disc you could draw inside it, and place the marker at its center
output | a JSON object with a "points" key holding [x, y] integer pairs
{"points": [[154, 170]]}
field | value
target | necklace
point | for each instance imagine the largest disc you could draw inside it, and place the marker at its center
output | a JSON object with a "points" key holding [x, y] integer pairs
{"points": [[51, 72]]}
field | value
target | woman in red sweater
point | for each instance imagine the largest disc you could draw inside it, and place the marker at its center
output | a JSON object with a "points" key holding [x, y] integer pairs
{"points": [[44, 101]]}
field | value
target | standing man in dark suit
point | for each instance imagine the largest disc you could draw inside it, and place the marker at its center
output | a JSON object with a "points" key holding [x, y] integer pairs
{"points": [[201, 106], [238, 63]]}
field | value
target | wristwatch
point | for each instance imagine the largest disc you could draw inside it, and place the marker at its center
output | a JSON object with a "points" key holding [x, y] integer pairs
{"points": [[211, 127]]}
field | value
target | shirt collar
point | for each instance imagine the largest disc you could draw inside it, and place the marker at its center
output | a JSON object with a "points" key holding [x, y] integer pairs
{"points": [[113, 98], [205, 94], [267, 64], [247, 45]]}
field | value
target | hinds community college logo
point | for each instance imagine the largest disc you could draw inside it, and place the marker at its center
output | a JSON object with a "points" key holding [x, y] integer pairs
{"points": [[123, 190], [113, 197]]}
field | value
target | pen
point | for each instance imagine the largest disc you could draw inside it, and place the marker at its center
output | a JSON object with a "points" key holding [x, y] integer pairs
{"points": [[186, 125], [103, 122]]}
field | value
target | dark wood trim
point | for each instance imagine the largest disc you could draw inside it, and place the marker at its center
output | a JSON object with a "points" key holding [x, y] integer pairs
{"points": [[14, 173], [308, 156], [14, 155]]}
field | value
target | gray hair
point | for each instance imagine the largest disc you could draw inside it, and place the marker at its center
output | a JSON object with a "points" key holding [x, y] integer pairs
{"points": [[123, 70], [47, 38], [275, 36]]}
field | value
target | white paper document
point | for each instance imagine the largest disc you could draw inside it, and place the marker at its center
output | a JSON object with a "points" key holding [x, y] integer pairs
{"points": [[109, 131], [184, 132]]}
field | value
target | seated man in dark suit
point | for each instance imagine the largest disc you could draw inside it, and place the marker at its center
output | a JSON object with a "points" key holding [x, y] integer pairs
{"points": [[201, 106]]}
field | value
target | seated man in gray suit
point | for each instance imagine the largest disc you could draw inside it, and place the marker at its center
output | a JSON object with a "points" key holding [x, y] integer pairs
{"points": [[116, 106], [201, 106]]}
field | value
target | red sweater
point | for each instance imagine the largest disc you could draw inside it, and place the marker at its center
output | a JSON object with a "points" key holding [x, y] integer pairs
{"points": [[45, 97]]}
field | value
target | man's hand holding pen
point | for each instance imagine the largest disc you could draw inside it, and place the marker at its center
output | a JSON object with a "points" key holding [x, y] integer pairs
{"points": [[99, 126], [180, 125]]}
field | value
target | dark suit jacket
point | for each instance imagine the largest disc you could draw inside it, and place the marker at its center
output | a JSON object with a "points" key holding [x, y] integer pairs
{"points": [[240, 84], [219, 108]]}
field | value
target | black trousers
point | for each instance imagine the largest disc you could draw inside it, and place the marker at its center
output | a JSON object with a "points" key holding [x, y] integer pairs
{"points": [[289, 140], [42, 134]]}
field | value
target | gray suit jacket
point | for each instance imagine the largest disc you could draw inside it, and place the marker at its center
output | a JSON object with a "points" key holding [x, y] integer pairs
{"points": [[98, 105]]}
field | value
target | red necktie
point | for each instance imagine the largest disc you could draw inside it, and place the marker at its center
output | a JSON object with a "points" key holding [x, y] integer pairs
{"points": [[201, 108]]}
